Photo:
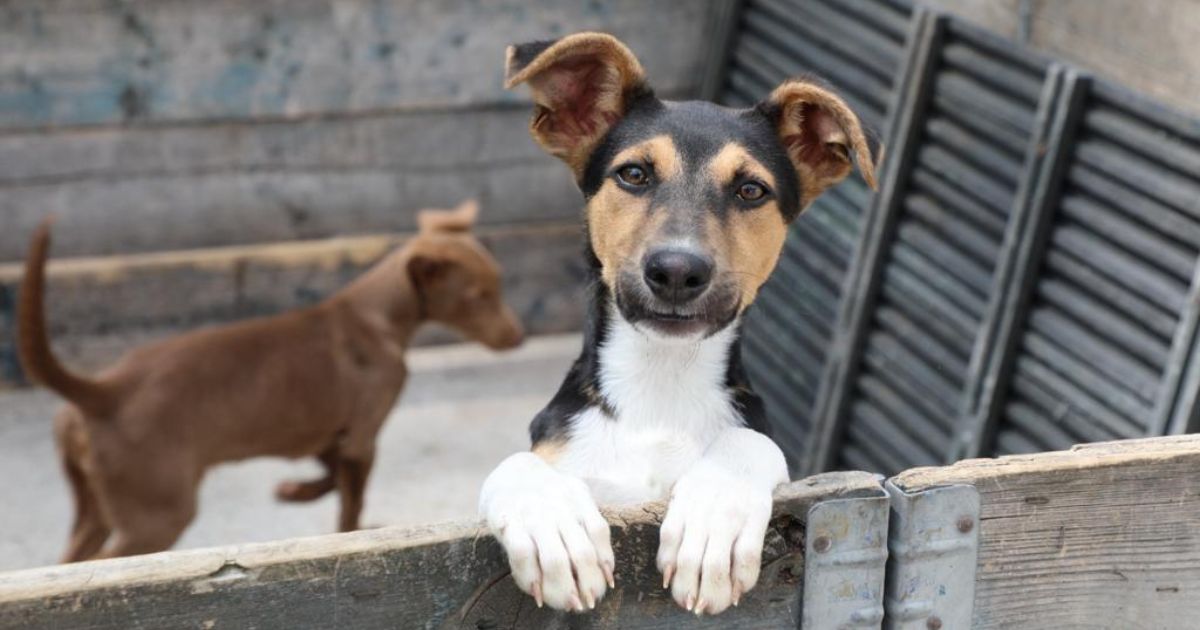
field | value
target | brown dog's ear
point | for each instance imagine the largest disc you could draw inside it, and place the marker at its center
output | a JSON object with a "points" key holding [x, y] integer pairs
{"points": [[460, 219], [822, 136], [582, 84]]}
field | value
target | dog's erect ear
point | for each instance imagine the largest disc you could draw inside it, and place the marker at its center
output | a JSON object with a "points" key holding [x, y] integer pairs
{"points": [[582, 84], [460, 219], [821, 134]]}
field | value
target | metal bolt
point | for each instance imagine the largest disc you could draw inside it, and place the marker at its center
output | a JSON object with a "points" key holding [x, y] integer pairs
{"points": [[933, 623], [822, 544], [966, 524]]}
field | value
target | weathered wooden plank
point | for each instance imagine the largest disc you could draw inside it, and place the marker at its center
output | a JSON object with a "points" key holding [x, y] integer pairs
{"points": [[1018, 81], [1096, 351], [1132, 170], [1101, 536], [995, 196], [427, 139], [1161, 217], [1034, 380], [447, 576], [959, 140], [1129, 334], [1152, 317], [904, 385], [99, 306], [935, 266], [205, 185], [1083, 376], [1001, 109], [69, 62]]}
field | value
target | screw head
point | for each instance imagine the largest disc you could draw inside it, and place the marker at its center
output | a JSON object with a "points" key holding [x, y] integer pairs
{"points": [[933, 623], [966, 524], [822, 544]]}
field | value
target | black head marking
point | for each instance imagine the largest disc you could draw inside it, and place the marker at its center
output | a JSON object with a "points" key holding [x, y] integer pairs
{"points": [[698, 131]]}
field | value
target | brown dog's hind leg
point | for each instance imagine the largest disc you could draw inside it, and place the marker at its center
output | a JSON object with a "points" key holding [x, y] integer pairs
{"points": [[156, 504], [133, 543], [90, 529], [352, 476], [149, 529], [299, 491]]}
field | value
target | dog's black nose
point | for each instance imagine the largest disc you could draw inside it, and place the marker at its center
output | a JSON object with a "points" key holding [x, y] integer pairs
{"points": [[677, 276]]}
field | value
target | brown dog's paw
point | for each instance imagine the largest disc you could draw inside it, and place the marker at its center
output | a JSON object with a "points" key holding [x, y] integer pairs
{"points": [[301, 491]]}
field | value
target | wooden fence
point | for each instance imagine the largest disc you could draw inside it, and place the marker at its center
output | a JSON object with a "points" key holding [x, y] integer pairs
{"points": [[1100, 536]]}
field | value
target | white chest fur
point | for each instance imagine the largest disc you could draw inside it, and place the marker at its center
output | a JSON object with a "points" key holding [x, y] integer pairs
{"points": [[670, 402]]}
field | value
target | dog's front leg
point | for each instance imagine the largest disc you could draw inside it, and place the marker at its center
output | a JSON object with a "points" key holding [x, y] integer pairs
{"points": [[557, 542], [710, 543]]}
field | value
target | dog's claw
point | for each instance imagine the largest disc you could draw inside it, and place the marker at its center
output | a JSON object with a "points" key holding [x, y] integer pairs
{"points": [[699, 607], [537, 594], [576, 605], [668, 572], [690, 603], [608, 575]]}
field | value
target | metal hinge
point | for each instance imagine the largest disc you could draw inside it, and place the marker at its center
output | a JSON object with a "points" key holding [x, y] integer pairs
{"points": [[844, 563], [934, 545]]}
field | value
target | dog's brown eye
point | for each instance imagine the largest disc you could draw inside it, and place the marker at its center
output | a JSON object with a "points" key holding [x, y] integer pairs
{"points": [[633, 175], [751, 191]]}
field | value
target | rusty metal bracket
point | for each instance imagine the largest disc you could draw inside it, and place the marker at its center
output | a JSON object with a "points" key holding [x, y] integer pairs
{"points": [[844, 563], [934, 546]]}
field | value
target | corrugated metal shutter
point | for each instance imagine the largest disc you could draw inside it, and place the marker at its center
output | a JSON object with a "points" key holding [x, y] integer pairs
{"points": [[1104, 334], [857, 47], [1027, 278], [935, 286]]}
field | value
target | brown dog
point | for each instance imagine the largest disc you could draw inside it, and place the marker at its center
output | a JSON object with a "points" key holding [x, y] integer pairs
{"points": [[136, 439]]}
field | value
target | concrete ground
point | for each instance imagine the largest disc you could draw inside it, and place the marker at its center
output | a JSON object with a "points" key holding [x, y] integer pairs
{"points": [[464, 410]]}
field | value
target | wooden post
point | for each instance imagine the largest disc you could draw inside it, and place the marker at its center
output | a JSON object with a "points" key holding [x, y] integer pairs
{"points": [[1102, 536], [445, 576]]}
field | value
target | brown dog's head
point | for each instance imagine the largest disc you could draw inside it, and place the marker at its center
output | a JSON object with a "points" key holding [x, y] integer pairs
{"points": [[458, 281], [687, 202]]}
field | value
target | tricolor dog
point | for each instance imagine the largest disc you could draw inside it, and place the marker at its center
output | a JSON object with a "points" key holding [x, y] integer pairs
{"points": [[687, 207]]}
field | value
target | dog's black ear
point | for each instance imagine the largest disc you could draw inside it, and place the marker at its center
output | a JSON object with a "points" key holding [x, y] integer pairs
{"points": [[582, 84], [823, 137]]}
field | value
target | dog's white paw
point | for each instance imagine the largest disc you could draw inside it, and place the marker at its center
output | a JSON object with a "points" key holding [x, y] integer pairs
{"points": [[557, 542], [710, 543]]}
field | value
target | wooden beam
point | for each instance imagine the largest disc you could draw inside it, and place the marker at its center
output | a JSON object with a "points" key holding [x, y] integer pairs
{"points": [[1101, 536], [86, 62], [865, 276], [1019, 264], [155, 188], [100, 306], [443, 576]]}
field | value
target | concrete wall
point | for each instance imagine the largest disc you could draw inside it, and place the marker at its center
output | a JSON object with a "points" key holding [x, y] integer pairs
{"points": [[1149, 45], [208, 128], [162, 125]]}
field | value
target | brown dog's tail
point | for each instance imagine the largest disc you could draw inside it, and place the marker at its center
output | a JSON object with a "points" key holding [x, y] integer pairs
{"points": [[33, 343]]}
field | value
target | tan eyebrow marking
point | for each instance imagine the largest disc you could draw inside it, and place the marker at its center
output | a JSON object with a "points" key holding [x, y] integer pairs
{"points": [[659, 151], [732, 159]]}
